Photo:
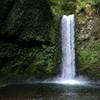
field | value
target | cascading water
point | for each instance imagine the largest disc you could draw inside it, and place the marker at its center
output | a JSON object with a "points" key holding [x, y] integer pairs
{"points": [[68, 48], [68, 71]]}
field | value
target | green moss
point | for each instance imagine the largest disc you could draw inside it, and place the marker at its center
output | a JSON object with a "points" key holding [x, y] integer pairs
{"points": [[86, 4], [89, 54], [61, 7], [7, 50], [35, 27], [44, 62], [87, 37]]}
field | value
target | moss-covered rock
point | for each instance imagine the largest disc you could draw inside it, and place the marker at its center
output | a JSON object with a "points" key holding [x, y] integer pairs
{"points": [[88, 38], [28, 20], [5, 8], [26, 46], [29, 36]]}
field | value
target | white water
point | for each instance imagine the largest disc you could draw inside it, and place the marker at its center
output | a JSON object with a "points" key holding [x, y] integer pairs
{"points": [[68, 71], [68, 47]]}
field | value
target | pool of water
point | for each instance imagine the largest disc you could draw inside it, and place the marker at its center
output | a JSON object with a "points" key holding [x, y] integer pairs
{"points": [[49, 91]]}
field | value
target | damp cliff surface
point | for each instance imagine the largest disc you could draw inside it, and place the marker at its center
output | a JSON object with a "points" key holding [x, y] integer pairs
{"points": [[88, 38], [29, 37], [26, 47]]}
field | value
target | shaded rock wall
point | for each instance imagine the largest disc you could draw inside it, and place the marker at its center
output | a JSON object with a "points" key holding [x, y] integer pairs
{"points": [[30, 37], [88, 39], [25, 45]]}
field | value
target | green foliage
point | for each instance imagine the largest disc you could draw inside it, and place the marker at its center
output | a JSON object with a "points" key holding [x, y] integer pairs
{"points": [[56, 7], [81, 4], [61, 7], [44, 62], [37, 23], [7, 50], [29, 22], [89, 60], [89, 54], [88, 38]]}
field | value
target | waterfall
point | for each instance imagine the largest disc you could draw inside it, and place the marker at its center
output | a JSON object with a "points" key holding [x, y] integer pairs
{"points": [[68, 47], [68, 72]]}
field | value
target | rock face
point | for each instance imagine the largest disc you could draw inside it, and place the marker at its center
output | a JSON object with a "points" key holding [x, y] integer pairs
{"points": [[88, 40], [27, 19], [25, 44], [29, 37]]}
